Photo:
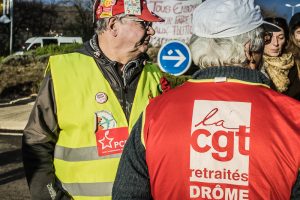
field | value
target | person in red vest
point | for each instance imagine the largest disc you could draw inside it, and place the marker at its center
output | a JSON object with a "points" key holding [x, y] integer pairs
{"points": [[223, 134]]}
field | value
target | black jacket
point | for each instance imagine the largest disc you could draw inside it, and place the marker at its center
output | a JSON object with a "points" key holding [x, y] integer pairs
{"points": [[294, 87]]}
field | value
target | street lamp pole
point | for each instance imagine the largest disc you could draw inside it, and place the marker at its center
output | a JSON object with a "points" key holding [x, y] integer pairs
{"points": [[4, 19], [292, 6], [11, 26]]}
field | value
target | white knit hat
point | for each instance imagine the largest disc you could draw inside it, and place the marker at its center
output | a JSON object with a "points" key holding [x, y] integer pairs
{"points": [[227, 18]]}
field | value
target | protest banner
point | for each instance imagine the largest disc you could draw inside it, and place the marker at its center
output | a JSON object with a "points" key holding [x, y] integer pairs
{"points": [[178, 20]]}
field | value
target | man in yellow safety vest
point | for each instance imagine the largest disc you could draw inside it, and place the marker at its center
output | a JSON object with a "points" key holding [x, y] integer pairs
{"points": [[87, 104]]}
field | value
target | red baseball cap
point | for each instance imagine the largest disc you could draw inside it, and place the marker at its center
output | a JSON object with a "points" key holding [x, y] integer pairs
{"points": [[109, 8]]}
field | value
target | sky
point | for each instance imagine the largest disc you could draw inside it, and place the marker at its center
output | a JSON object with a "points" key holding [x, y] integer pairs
{"points": [[275, 5], [279, 7]]}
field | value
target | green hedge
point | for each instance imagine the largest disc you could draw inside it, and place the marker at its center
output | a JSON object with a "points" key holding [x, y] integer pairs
{"points": [[55, 49]]}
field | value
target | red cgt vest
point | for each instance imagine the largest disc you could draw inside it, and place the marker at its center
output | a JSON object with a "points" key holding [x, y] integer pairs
{"points": [[231, 140]]}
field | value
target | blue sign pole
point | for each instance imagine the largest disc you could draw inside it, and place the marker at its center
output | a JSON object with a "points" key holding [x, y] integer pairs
{"points": [[174, 57]]}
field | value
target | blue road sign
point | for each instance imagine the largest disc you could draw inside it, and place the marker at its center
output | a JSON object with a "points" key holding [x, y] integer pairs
{"points": [[174, 57]]}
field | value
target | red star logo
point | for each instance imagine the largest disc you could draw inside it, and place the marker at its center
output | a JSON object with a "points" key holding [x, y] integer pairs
{"points": [[106, 141]]}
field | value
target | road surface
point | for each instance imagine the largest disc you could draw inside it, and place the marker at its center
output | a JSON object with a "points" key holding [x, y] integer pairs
{"points": [[13, 185], [13, 118]]}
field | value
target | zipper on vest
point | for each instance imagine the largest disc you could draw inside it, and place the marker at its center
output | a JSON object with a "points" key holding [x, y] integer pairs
{"points": [[120, 81], [124, 91]]}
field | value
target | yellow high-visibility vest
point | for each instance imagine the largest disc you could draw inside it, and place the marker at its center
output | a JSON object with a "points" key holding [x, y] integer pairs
{"points": [[76, 81]]}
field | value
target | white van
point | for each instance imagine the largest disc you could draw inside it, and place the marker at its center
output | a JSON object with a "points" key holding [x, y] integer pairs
{"points": [[35, 42]]}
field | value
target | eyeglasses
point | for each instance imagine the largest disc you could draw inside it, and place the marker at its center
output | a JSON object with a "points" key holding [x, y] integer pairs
{"points": [[145, 24], [268, 37]]}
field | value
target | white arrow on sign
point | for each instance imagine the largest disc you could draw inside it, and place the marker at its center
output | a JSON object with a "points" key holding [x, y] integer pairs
{"points": [[181, 58]]}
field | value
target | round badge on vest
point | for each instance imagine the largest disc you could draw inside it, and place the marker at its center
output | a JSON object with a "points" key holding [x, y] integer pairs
{"points": [[101, 97]]}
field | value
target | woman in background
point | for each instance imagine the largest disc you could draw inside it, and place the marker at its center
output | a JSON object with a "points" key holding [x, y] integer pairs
{"points": [[294, 47], [277, 62]]}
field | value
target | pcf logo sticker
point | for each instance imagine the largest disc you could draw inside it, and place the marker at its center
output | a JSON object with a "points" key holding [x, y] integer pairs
{"points": [[110, 139]]}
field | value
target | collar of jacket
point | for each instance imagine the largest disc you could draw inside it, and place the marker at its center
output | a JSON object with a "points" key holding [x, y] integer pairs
{"points": [[240, 73]]}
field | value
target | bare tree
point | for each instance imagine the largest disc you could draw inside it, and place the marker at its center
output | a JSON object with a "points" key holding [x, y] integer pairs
{"points": [[82, 21], [43, 17], [30, 18]]}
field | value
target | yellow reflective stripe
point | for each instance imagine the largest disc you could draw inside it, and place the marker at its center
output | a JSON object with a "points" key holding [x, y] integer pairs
{"points": [[86, 171], [47, 69], [91, 198], [142, 129], [230, 80], [80, 154], [89, 189]]}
